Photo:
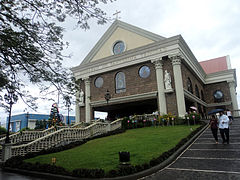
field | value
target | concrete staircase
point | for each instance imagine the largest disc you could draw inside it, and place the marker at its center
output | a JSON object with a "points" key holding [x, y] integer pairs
{"points": [[35, 141]]}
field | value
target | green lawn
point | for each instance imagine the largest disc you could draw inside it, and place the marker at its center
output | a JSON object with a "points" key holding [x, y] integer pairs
{"points": [[143, 145]]}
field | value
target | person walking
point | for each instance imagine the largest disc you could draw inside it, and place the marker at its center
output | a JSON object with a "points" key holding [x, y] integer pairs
{"points": [[214, 127], [224, 127], [229, 114]]}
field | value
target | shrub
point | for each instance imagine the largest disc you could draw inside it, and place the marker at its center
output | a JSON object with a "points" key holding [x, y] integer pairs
{"points": [[192, 118], [90, 173], [138, 121], [126, 170], [26, 129], [167, 119], [3, 130], [112, 173], [125, 122]]}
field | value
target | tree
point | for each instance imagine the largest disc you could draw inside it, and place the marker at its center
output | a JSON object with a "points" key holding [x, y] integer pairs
{"points": [[3, 130], [31, 43], [41, 124], [54, 118]]}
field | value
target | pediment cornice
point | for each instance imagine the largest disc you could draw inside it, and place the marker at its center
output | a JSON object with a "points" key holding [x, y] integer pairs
{"points": [[135, 56]]}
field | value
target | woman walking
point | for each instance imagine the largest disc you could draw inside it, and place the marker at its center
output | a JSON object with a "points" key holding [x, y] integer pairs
{"points": [[214, 127]]}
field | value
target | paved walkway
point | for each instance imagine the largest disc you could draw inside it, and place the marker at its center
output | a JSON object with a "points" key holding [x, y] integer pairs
{"points": [[205, 160]]}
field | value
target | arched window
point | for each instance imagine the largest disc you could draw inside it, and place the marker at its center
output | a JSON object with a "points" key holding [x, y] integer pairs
{"points": [[197, 91], [189, 85], [202, 95], [120, 82]]}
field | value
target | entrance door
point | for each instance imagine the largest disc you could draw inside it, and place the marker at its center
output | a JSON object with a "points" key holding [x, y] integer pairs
{"points": [[127, 109]]}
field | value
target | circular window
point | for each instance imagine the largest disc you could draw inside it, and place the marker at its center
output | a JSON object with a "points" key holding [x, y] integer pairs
{"points": [[218, 94], [99, 82], [118, 47], [144, 71]]}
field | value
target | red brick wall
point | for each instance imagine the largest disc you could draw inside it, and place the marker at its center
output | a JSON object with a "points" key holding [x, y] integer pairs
{"points": [[193, 77], [134, 83], [137, 85], [211, 88], [82, 113], [170, 97]]}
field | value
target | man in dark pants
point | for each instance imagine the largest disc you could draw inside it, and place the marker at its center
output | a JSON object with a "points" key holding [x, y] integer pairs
{"points": [[224, 127]]}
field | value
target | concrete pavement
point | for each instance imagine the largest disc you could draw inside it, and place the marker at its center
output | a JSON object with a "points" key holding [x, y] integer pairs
{"points": [[205, 160]]}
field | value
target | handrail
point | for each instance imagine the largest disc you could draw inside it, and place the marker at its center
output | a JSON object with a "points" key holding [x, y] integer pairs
{"points": [[236, 113], [77, 124], [24, 136], [65, 136]]}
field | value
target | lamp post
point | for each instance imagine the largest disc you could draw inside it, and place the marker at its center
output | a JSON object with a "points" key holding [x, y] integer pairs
{"points": [[107, 96], [68, 104], [10, 98]]}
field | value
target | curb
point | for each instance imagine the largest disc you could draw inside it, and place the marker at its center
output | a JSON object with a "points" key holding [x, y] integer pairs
{"points": [[134, 176]]}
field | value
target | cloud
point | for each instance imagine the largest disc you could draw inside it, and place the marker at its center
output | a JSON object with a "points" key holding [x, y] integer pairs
{"points": [[211, 29]]}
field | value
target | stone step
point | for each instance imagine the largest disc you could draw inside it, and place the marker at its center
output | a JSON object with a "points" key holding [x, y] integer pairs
{"points": [[212, 140], [230, 135], [216, 146], [211, 154], [185, 174], [208, 164]]}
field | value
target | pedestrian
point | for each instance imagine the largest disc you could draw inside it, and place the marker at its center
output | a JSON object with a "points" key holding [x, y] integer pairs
{"points": [[229, 114], [214, 127], [224, 127]]}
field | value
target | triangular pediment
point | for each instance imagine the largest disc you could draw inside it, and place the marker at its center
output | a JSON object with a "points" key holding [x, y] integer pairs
{"points": [[132, 36]]}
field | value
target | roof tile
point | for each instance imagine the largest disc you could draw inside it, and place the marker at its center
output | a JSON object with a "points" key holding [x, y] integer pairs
{"points": [[214, 65]]}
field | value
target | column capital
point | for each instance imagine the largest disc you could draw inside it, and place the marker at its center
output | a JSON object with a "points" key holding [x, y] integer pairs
{"points": [[158, 63], [232, 82], [87, 80], [176, 58]]}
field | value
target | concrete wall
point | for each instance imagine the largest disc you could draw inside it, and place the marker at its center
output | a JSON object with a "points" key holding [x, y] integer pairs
{"points": [[22, 119], [131, 40]]}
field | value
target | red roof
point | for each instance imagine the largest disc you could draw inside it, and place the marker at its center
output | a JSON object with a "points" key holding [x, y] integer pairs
{"points": [[214, 65]]}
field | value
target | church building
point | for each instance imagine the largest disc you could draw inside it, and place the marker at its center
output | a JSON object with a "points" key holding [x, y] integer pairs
{"points": [[133, 71]]}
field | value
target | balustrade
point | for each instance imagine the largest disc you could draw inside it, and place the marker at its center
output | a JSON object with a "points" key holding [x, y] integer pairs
{"points": [[236, 113], [64, 135], [26, 136]]}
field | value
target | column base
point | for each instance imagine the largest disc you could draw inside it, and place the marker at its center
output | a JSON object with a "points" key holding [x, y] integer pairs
{"points": [[6, 151], [168, 91]]}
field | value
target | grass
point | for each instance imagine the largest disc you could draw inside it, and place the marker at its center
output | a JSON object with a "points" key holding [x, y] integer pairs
{"points": [[143, 145]]}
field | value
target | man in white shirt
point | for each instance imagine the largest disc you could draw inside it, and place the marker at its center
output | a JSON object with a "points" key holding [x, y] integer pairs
{"points": [[229, 114], [224, 127]]}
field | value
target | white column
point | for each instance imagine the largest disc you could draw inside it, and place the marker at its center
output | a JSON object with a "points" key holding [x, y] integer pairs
{"points": [[233, 97], [77, 109], [176, 62], [160, 85], [87, 100]]}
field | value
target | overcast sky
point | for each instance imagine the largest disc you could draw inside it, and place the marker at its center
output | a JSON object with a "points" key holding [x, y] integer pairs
{"points": [[210, 28]]}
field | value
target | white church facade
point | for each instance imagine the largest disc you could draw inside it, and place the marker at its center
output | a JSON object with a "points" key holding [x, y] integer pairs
{"points": [[142, 72]]}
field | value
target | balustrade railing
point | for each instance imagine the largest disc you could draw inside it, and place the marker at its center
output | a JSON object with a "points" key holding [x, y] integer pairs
{"points": [[115, 124], [65, 136], [26, 136], [236, 113], [78, 125], [147, 117]]}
